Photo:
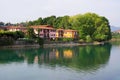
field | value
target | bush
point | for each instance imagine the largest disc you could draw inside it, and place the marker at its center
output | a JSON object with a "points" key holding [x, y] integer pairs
{"points": [[40, 41], [88, 38], [65, 39], [81, 40], [6, 41]]}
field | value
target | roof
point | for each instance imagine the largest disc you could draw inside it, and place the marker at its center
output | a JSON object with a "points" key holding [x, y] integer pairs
{"points": [[15, 27], [60, 29], [42, 27]]}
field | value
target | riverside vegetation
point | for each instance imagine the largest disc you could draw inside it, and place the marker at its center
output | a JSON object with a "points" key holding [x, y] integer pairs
{"points": [[91, 27]]}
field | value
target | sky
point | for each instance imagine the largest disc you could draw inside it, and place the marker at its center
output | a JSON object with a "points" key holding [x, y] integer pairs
{"points": [[16, 11]]}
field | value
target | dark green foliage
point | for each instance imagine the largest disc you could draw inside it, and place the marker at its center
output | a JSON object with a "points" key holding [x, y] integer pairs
{"points": [[65, 39], [6, 41], [14, 35], [40, 41], [26, 41], [8, 38], [30, 33], [49, 20], [57, 23], [18, 34]]}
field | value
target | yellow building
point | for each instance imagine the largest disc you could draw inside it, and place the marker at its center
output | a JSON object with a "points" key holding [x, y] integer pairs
{"points": [[59, 33], [70, 33]]}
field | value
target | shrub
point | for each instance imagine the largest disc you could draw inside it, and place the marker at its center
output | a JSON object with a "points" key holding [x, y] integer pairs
{"points": [[6, 41], [88, 38], [40, 41]]}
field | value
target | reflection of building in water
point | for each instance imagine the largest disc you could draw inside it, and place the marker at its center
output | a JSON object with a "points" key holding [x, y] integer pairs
{"points": [[49, 55], [36, 59], [57, 54], [52, 54], [68, 54]]}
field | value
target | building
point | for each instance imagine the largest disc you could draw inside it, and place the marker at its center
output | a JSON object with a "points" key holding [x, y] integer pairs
{"points": [[16, 28], [47, 32], [70, 33], [59, 33], [63, 33]]}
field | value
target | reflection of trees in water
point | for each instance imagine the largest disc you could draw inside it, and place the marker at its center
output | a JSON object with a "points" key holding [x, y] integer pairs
{"points": [[8, 55], [116, 43], [82, 57], [92, 56]]}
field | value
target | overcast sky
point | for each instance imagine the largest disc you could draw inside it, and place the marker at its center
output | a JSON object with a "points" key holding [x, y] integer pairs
{"points": [[25, 10]]}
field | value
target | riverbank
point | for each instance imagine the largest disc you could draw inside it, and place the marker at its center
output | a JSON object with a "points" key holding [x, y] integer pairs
{"points": [[114, 39], [56, 44], [72, 44]]}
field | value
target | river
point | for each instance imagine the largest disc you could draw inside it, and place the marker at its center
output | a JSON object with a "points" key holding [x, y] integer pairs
{"points": [[98, 62]]}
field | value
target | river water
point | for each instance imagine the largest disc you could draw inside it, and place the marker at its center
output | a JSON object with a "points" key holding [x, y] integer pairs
{"points": [[98, 62]]}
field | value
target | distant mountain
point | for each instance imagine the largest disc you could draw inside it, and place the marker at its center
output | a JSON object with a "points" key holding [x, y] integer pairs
{"points": [[113, 28]]}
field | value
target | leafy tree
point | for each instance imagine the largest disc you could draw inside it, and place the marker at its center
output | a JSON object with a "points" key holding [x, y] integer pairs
{"points": [[91, 24], [57, 23], [65, 22], [30, 33], [49, 20]]}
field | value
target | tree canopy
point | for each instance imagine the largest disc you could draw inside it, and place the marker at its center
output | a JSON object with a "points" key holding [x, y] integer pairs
{"points": [[92, 25]]}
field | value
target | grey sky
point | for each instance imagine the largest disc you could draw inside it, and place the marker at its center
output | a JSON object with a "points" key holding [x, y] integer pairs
{"points": [[24, 10]]}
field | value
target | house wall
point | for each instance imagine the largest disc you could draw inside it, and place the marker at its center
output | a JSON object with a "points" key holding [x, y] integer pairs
{"points": [[52, 34], [67, 34]]}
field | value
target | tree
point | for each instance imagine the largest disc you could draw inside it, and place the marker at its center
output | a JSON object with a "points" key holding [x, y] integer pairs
{"points": [[2, 23], [49, 20], [30, 33], [57, 23], [91, 24], [65, 22]]}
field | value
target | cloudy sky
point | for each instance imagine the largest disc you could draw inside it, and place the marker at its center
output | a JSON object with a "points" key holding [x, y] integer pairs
{"points": [[25, 10]]}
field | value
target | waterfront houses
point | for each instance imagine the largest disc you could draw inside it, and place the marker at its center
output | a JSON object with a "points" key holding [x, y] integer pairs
{"points": [[47, 32]]}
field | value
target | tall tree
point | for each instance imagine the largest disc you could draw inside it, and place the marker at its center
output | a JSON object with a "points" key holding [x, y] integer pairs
{"points": [[92, 25], [30, 33]]}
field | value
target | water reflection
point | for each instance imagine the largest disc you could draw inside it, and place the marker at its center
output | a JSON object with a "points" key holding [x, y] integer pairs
{"points": [[80, 57]]}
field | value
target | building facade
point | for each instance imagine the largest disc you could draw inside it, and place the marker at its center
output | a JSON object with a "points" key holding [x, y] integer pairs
{"points": [[70, 33], [16, 28], [47, 32]]}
